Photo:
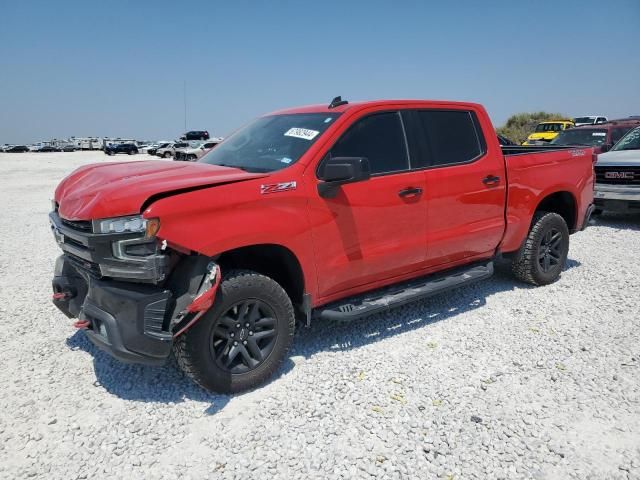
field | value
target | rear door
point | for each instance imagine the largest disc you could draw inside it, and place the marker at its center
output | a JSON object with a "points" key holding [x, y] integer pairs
{"points": [[371, 230], [465, 184]]}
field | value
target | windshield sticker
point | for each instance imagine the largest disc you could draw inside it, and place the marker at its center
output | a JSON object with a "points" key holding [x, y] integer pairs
{"points": [[599, 134], [286, 160], [303, 133], [328, 119]]}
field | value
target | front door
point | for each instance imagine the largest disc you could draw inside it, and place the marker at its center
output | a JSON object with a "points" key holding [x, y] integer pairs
{"points": [[375, 229]]}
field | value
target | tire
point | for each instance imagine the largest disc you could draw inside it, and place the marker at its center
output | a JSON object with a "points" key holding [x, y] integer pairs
{"points": [[544, 254], [200, 351], [166, 155], [130, 152]]}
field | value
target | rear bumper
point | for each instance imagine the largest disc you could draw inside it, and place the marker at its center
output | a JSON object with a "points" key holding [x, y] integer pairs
{"points": [[127, 320]]}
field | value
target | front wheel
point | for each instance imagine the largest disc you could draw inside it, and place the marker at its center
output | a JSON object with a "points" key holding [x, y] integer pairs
{"points": [[545, 250], [242, 340], [166, 154]]}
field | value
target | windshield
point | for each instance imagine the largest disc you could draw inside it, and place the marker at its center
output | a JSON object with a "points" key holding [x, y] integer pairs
{"points": [[270, 143], [549, 127], [631, 141], [589, 136], [584, 119]]}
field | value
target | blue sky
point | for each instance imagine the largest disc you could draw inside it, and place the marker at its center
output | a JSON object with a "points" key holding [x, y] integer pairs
{"points": [[114, 68]]}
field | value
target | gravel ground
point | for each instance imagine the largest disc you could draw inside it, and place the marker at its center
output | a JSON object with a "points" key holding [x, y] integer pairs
{"points": [[495, 380]]}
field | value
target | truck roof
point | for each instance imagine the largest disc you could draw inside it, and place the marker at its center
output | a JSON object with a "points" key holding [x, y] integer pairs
{"points": [[324, 108]]}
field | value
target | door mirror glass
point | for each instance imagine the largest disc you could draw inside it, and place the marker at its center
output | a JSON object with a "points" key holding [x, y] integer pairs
{"points": [[337, 171]]}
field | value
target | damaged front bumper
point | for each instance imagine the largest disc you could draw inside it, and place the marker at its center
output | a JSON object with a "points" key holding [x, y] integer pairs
{"points": [[131, 321], [135, 322]]}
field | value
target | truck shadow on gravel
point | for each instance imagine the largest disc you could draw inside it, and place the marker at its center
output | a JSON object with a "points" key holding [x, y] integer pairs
{"points": [[618, 221], [338, 336], [164, 384], [167, 384]]}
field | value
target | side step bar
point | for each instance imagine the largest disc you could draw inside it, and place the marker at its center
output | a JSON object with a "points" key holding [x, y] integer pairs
{"points": [[399, 294]]}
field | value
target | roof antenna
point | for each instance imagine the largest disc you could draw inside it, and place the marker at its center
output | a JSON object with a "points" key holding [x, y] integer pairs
{"points": [[337, 101]]}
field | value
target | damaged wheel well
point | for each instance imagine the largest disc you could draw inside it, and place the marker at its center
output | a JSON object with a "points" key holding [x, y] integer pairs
{"points": [[274, 261]]}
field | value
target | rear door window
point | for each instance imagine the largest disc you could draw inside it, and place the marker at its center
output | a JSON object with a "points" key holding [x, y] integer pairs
{"points": [[378, 137], [446, 137]]}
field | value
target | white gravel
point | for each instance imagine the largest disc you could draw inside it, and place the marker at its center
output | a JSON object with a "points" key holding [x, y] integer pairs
{"points": [[496, 380]]}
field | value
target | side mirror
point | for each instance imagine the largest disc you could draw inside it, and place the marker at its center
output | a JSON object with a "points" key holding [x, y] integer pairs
{"points": [[605, 148], [338, 171]]}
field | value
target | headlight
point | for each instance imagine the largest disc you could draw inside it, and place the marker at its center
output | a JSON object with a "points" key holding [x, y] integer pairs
{"points": [[128, 225]]}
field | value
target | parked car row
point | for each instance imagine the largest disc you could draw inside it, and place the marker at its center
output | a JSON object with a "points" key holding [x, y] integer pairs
{"points": [[185, 150]]}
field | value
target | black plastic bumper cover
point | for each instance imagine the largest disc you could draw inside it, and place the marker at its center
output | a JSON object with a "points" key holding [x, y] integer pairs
{"points": [[127, 320]]}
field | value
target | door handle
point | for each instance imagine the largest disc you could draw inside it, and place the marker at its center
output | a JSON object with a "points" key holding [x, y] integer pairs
{"points": [[410, 191], [491, 180]]}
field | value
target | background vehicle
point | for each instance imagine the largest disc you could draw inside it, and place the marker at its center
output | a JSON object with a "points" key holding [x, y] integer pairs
{"points": [[320, 210], [167, 151], [68, 148], [618, 176], [49, 148], [547, 131], [195, 135], [170, 150], [154, 148], [601, 137], [195, 152], [128, 148], [589, 120], [17, 149]]}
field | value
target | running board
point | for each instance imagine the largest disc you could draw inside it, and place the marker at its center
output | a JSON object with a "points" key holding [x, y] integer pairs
{"points": [[393, 296]]}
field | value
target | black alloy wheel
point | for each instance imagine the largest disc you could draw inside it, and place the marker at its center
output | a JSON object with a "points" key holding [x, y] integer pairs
{"points": [[549, 253], [244, 336]]}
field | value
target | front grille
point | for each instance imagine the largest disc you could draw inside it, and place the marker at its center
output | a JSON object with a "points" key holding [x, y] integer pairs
{"points": [[85, 265], [628, 175], [80, 225]]}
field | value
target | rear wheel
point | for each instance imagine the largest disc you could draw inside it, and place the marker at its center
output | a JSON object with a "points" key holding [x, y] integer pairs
{"points": [[544, 253], [242, 340]]}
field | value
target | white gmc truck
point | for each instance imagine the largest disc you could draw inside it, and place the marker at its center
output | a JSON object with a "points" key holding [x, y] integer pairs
{"points": [[618, 176]]}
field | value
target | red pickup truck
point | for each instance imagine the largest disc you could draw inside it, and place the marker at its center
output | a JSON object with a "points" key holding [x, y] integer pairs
{"points": [[321, 212]]}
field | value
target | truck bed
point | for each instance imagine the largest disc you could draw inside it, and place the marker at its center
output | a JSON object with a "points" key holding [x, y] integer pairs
{"points": [[529, 170]]}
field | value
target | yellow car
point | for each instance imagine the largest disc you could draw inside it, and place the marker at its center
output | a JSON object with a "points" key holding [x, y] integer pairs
{"points": [[547, 131]]}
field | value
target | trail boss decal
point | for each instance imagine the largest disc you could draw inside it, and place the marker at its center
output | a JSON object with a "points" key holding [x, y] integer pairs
{"points": [[277, 187]]}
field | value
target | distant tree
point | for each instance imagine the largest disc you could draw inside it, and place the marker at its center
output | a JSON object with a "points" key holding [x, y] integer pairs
{"points": [[519, 126]]}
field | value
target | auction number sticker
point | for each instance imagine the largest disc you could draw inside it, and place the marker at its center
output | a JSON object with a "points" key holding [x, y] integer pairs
{"points": [[303, 133], [598, 134]]}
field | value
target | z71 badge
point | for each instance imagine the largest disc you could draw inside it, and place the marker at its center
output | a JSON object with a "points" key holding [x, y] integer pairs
{"points": [[277, 187]]}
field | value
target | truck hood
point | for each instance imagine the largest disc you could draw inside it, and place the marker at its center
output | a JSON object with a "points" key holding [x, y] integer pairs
{"points": [[619, 158], [107, 190]]}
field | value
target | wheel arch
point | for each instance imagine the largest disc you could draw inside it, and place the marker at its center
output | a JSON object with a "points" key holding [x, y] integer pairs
{"points": [[564, 204], [272, 260]]}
